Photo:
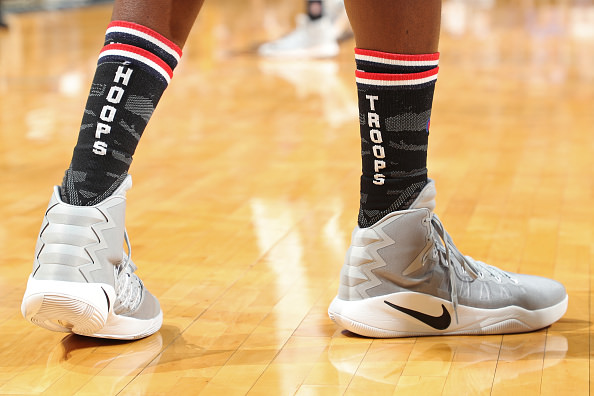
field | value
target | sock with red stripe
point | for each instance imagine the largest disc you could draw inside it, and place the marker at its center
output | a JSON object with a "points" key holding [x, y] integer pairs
{"points": [[395, 98], [134, 68]]}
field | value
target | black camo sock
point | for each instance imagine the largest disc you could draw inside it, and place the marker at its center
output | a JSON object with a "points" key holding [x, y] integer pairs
{"points": [[395, 99], [134, 68]]}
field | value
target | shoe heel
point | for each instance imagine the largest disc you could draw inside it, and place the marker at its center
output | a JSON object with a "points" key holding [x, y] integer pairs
{"points": [[81, 308]]}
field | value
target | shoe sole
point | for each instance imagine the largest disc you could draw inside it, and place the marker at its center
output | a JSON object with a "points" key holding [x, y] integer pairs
{"points": [[373, 317], [82, 308]]}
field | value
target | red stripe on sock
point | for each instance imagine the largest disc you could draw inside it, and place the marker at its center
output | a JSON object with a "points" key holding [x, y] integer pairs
{"points": [[400, 57], [150, 32], [141, 52], [396, 77]]}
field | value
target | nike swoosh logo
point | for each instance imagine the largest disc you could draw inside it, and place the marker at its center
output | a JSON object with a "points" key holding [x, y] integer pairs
{"points": [[441, 322], [106, 297]]}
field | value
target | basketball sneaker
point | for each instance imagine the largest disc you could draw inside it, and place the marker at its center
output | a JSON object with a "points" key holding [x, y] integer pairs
{"points": [[310, 39], [83, 281], [338, 19], [404, 276]]}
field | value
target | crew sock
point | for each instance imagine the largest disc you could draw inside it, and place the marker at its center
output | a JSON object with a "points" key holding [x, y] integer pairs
{"points": [[395, 98], [134, 68]]}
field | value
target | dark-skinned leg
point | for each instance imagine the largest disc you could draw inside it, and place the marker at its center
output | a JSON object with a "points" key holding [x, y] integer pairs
{"points": [[314, 9], [397, 67], [403, 276], [401, 26], [82, 280], [149, 36], [171, 18], [3, 24]]}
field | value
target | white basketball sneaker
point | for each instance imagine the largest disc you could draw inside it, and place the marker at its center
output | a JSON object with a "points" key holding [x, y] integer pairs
{"points": [[82, 281], [404, 276], [310, 39]]}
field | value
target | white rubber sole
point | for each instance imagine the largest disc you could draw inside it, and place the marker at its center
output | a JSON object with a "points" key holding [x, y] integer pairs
{"points": [[82, 308], [374, 317]]}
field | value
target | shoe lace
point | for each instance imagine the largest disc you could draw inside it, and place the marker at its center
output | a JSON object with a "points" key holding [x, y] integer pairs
{"points": [[453, 260], [129, 287]]}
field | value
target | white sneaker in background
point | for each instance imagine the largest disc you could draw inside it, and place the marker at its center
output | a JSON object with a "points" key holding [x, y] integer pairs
{"points": [[310, 39]]}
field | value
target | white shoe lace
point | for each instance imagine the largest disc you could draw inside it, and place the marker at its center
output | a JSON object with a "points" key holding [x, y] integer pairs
{"points": [[129, 287], [466, 264]]}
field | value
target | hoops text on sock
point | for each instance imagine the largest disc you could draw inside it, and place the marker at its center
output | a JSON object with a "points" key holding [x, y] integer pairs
{"points": [[108, 112]]}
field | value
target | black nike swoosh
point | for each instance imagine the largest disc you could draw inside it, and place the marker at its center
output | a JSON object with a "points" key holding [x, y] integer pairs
{"points": [[107, 297], [441, 322]]}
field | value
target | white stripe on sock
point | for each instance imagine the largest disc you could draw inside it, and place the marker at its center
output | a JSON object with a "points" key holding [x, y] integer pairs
{"points": [[157, 42]]}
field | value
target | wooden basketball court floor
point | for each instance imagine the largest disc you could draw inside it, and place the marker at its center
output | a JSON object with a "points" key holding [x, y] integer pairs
{"points": [[246, 191]]}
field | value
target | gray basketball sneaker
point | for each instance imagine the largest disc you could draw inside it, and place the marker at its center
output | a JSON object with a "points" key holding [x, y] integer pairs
{"points": [[82, 280], [404, 276]]}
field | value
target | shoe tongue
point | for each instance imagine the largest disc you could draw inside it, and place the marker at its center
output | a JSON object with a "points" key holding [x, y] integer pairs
{"points": [[426, 198]]}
